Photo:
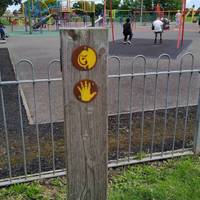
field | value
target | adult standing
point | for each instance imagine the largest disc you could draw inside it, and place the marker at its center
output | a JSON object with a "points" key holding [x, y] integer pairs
{"points": [[178, 18], [158, 29], [199, 22]]}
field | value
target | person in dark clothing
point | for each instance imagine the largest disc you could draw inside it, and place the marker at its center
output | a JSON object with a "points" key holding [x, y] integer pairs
{"points": [[199, 22], [127, 31], [2, 32]]}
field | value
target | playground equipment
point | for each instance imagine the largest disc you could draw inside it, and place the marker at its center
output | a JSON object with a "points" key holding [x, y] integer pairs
{"points": [[182, 25], [191, 12], [42, 11]]}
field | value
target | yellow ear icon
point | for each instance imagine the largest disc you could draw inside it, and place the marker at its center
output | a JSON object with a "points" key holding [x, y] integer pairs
{"points": [[87, 58]]}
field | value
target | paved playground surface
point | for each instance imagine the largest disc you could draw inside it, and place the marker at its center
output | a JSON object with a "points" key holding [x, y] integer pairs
{"points": [[42, 49], [143, 46]]}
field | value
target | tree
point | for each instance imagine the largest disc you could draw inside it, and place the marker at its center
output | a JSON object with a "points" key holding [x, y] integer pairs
{"points": [[131, 4], [147, 4], [136, 4], [5, 3], [115, 4], [84, 6], [169, 4], [99, 9]]}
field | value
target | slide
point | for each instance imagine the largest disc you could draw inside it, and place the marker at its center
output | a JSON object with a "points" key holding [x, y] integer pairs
{"points": [[42, 21], [100, 19]]}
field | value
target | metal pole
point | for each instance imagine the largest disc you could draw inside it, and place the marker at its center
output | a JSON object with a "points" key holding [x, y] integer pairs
{"points": [[104, 14], [29, 16], [111, 22], [183, 25], [141, 12], [197, 136]]}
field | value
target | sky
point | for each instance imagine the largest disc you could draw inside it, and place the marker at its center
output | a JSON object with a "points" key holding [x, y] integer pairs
{"points": [[189, 4]]}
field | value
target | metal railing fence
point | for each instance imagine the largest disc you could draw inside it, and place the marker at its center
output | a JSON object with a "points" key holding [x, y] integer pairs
{"points": [[149, 118]]}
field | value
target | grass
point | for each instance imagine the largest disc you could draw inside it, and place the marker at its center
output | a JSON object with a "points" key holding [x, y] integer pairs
{"points": [[172, 180], [177, 179], [53, 189]]}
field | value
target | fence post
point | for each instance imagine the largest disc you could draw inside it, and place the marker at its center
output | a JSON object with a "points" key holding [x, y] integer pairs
{"points": [[84, 69], [197, 135]]}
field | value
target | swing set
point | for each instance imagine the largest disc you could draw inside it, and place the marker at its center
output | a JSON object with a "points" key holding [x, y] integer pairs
{"points": [[159, 12]]}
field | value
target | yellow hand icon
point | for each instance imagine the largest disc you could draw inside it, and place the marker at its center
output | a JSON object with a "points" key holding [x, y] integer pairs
{"points": [[85, 91]]}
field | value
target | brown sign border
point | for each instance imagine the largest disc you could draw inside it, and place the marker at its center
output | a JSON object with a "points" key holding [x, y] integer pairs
{"points": [[75, 54], [94, 88]]}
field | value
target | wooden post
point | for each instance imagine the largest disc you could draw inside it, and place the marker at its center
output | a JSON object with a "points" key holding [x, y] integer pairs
{"points": [[85, 120]]}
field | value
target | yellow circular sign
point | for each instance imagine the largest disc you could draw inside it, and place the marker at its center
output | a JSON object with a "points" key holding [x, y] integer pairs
{"points": [[84, 58], [85, 90]]}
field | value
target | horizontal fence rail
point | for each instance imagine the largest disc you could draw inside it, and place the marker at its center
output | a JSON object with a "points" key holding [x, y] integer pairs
{"points": [[149, 117]]}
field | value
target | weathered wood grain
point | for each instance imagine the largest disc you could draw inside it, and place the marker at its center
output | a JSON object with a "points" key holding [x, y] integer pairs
{"points": [[85, 123]]}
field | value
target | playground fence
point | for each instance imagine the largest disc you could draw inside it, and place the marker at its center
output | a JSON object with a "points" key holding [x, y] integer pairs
{"points": [[31, 152]]}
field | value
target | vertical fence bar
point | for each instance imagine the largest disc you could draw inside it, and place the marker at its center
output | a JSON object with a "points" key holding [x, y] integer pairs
{"points": [[36, 124], [143, 106], [22, 131], [118, 103], [166, 106], [154, 107], [50, 111], [6, 132], [177, 108], [131, 112], [197, 134], [21, 117], [25, 61], [118, 111], [155, 100], [188, 99]]}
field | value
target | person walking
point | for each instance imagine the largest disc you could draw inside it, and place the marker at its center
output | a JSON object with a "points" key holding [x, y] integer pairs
{"points": [[157, 27], [2, 32], [127, 31]]}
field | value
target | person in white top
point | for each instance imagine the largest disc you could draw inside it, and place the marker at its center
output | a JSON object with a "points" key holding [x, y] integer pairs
{"points": [[158, 29], [178, 18]]}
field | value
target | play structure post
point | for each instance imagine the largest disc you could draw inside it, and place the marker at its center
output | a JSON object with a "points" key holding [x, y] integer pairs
{"points": [[182, 26], [183, 22], [104, 14], [141, 12], [93, 19], [111, 22], [84, 69], [29, 16]]}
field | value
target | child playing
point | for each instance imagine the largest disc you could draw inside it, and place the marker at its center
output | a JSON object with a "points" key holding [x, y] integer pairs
{"points": [[127, 31]]}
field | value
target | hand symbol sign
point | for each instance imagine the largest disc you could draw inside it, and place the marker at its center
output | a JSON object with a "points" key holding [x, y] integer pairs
{"points": [[87, 90]]}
